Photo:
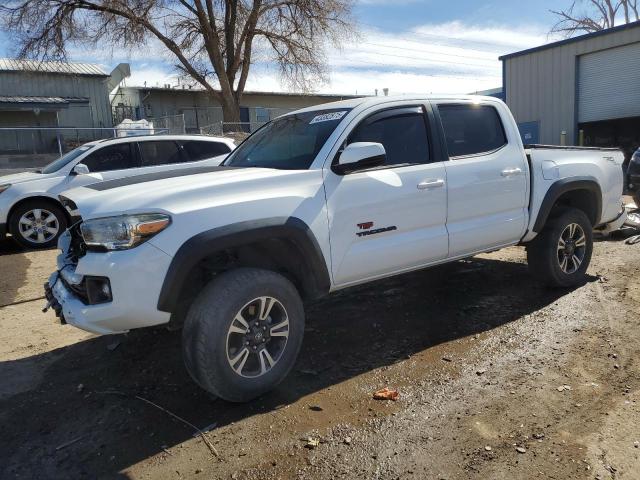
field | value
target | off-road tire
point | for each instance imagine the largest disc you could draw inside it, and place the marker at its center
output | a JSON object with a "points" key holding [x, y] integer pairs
{"points": [[43, 205], [542, 252], [204, 336]]}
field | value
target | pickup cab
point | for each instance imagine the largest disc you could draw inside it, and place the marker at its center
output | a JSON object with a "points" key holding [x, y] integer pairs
{"points": [[316, 201]]}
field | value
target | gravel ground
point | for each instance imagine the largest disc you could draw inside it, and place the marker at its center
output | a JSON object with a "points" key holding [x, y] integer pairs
{"points": [[498, 379]]}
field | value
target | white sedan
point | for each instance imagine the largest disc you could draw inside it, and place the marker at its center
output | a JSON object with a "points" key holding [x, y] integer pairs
{"points": [[29, 206]]}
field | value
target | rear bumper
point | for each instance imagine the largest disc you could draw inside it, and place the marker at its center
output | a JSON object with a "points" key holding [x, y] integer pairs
{"points": [[616, 224], [3, 229]]}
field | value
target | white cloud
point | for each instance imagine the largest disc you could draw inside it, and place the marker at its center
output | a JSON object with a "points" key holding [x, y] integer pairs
{"points": [[452, 57]]}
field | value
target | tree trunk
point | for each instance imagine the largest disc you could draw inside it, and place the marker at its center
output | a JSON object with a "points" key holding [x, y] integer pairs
{"points": [[231, 115]]}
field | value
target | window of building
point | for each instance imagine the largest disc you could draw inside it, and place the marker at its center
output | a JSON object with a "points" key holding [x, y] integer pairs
{"points": [[471, 129], [262, 115], [113, 157], [402, 132]]}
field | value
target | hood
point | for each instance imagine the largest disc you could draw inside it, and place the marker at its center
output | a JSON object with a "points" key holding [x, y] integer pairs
{"points": [[175, 191], [16, 178]]}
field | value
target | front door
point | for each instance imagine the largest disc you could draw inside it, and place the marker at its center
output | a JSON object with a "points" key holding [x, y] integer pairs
{"points": [[487, 176], [390, 218]]}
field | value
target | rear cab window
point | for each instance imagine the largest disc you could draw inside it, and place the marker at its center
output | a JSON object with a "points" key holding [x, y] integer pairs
{"points": [[471, 129]]}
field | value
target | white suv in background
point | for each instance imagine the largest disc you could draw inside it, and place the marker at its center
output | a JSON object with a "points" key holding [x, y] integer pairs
{"points": [[29, 207]]}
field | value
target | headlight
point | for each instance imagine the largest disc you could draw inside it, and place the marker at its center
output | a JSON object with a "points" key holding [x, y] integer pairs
{"points": [[123, 232], [4, 187], [635, 159]]}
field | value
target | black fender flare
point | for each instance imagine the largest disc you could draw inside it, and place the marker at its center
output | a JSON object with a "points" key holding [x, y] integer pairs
{"points": [[560, 187], [316, 282]]}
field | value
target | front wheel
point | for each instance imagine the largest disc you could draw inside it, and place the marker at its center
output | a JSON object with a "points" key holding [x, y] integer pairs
{"points": [[37, 224], [243, 333], [559, 256]]}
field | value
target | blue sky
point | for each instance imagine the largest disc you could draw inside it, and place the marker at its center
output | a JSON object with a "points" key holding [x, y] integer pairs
{"points": [[408, 46]]}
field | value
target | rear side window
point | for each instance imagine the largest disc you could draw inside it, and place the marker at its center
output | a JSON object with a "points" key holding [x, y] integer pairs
{"points": [[159, 153], [196, 150], [113, 157], [403, 133], [471, 129]]}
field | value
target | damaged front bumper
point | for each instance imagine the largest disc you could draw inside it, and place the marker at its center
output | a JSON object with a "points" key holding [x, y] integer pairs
{"points": [[134, 278]]}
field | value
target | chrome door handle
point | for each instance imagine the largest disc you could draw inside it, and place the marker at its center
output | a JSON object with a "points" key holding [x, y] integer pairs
{"points": [[427, 184], [508, 172]]}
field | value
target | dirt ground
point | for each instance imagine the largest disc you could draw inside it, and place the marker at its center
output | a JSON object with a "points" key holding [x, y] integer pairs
{"points": [[498, 379]]}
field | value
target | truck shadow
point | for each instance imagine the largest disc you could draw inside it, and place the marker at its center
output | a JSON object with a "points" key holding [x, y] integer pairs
{"points": [[348, 334]]}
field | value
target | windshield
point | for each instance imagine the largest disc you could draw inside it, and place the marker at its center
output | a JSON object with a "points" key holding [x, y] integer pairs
{"points": [[288, 143], [65, 159]]}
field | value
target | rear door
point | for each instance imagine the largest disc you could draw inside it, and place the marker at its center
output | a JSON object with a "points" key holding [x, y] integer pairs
{"points": [[487, 176], [390, 218]]}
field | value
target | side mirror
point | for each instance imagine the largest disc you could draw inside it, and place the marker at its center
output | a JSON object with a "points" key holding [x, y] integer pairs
{"points": [[80, 169], [361, 155]]}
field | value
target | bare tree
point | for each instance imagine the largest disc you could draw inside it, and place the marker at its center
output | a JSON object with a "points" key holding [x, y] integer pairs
{"points": [[584, 16], [213, 41]]}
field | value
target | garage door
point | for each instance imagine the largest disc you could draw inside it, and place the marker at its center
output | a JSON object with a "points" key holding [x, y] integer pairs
{"points": [[609, 84]]}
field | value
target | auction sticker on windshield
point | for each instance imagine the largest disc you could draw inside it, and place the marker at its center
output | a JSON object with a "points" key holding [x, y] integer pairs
{"points": [[327, 117]]}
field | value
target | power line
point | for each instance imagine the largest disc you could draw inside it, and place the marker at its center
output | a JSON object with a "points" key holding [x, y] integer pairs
{"points": [[421, 50], [448, 39], [425, 59], [458, 75]]}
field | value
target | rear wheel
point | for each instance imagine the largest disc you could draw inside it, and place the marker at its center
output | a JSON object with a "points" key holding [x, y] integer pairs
{"points": [[243, 333], [560, 255], [37, 224]]}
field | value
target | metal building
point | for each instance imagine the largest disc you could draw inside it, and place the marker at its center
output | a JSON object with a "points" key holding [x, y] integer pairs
{"points": [[582, 90], [44, 95], [200, 113]]}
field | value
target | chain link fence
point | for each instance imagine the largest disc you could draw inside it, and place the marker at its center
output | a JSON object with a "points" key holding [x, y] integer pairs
{"points": [[172, 124], [238, 131], [26, 148]]}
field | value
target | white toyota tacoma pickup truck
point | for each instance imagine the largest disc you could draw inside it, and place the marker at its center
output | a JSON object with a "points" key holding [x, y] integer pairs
{"points": [[316, 201]]}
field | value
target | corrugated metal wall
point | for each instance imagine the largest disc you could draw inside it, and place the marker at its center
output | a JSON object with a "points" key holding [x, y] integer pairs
{"points": [[97, 113], [609, 84], [542, 86]]}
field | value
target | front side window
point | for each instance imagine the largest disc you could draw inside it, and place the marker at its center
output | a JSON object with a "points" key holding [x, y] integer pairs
{"points": [[200, 150], [287, 143], [113, 157], [64, 160], [402, 132], [159, 153], [471, 129]]}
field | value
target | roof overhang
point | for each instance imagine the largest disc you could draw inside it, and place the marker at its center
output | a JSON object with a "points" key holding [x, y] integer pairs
{"points": [[29, 103], [566, 41]]}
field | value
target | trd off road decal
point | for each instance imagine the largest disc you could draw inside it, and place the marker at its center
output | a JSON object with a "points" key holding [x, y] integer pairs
{"points": [[367, 226]]}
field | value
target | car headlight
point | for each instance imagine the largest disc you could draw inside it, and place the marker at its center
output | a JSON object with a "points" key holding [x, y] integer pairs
{"points": [[124, 231], [4, 187]]}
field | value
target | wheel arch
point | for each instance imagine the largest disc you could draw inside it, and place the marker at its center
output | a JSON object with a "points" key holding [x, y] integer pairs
{"points": [[41, 197], [283, 244], [583, 193]]}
